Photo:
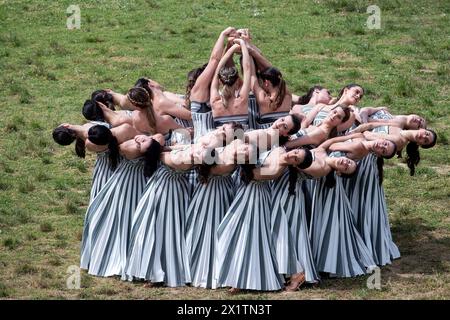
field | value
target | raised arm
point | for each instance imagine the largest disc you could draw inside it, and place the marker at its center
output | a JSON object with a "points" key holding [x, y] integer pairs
{"points": [[302, 141], [260, 61], [325, 145], [347, 124], [199, 91], [121, 100], [114, 118], [214, 91], [371, 125], [306, 122], [366, 112], [245, 90]]}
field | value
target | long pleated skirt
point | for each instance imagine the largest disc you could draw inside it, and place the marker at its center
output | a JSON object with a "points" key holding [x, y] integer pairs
{"points": [[246, 250], [102, 173], [290, 230], [337, 246], [108, 220], [370, 211], [206, 210], [157, 251]]}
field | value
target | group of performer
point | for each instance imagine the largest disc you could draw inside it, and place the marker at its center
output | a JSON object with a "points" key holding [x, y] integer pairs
{"points": [[238, 182]]}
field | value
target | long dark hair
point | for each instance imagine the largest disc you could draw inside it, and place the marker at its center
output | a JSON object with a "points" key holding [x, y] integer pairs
{"points": [[297, 125], [275, 77], [192, 77], [413, 154], [293, 174], [65, 136], [101, 135], [104, 97], [304, 99], [351, 85], [91, 111], [144, 83], [151, 158], [204, 169]]}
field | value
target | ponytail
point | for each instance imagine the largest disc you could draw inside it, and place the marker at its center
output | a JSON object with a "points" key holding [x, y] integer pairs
{"points": [[151, 158], [292, 180], [80, 148], [113, 147], [380, 163], [412, 157]]}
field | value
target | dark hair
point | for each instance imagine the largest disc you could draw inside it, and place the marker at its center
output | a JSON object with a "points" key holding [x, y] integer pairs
{"points": [[307, 97], [347, 114], [192, 77], [412, 157], [204, 169], [380, 164], [247, 172], [275, 77], [433, 142], [394, 152], [351, 85], [65, 136], [306, 163], [151, 158], [91, 111], [144, 83], [297, 125], [101, 135], [104, 97], [330, 180]]}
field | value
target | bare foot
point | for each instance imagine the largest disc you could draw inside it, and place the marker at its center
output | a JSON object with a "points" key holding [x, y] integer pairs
{"points": [[296, 281]]}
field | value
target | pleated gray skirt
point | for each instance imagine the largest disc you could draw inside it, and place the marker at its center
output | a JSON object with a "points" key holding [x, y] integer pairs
{"points": [[108, 220], [157, 251], [246, 251], [208, 206], [337, 246], [290, 230], [370, 211]]}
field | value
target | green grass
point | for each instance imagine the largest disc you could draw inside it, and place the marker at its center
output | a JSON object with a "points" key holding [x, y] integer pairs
{"points": [[47, 71]]}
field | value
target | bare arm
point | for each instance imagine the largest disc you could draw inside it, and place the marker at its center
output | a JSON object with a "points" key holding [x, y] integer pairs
{"points": [[260, 61], [245, 90], [114, 118], [214, 93], [366, 112], [371, 125], [325, 145], [347, 124], [172, 109], [121, 100], [199, 91], [304, 140], [306, 122]]}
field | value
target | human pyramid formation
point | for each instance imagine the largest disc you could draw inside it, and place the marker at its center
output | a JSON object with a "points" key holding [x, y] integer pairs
{"points": [[272, 191]]}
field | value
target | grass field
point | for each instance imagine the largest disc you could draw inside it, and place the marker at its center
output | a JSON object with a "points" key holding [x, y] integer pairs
{"points": [[47, 71]]}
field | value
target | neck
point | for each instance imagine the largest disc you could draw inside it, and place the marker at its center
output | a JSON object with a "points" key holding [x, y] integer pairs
{"points": [[408, 134], [342, 101]]}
